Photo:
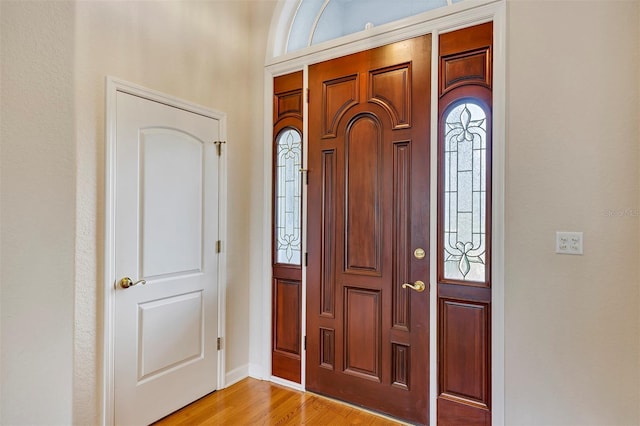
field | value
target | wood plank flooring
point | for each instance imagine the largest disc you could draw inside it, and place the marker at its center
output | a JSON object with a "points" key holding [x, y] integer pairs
{"points": [[256, 402]]}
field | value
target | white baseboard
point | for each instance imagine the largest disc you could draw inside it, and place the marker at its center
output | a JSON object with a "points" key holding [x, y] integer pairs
{"points": [[286, 383], [235, 375], [257, 371]]}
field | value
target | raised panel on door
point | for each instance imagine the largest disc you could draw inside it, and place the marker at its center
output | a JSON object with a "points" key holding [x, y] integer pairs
{"points": [[171, 185], [287, 339], [363, 195], [170, 333], [464, 349], [362, 333], [368, 337]]}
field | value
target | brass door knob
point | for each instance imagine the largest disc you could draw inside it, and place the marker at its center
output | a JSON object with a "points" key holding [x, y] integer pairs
{"points": [[417, 286], [127, 282]]}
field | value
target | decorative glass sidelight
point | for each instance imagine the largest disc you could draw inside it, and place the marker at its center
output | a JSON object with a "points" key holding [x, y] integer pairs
{"points": [[288, 196], [465, 196]]}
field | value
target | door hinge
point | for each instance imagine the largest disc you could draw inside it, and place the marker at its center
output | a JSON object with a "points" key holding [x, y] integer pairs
{"points": [[307, 95], [218, 246], [219, 343], [218, 145], [306, 259], [305, 343]]}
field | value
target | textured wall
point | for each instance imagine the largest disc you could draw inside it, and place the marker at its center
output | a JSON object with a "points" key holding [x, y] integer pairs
{"points": [[258, 291], [38, 212], [204, 52], [572, 329], [55, 57]]}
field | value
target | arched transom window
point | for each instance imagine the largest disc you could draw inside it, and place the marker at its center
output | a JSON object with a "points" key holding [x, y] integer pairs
{"points": [[317, 21]]}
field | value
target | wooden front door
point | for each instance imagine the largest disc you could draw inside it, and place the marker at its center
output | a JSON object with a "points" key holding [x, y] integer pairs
{"points": [[368, 229]]}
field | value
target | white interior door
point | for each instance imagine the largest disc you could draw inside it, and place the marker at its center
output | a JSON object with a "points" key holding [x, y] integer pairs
{"points": [[166, 220]]}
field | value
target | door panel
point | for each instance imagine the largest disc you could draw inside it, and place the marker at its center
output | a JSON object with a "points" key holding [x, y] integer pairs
{"points": [[464, 365], [165, 344], [362, 333], [287, 321], [171, 205], [368, 337], [165, 233], [363, 195]]}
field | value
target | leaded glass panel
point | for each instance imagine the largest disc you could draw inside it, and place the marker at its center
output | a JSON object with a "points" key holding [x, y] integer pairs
{"points": [[465, 192], [288, 197]]}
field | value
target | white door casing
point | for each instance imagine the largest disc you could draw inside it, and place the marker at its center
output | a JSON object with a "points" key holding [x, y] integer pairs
{"points": [[163, 224]]}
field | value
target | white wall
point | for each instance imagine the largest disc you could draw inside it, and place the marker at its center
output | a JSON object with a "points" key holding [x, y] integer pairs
{"points": [[204, 52], [572, 329], [259, 294], [55, 56], [38, 212]]}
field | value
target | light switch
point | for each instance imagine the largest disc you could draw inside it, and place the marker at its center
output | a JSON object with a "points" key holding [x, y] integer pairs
{"points": [[569, 242]]}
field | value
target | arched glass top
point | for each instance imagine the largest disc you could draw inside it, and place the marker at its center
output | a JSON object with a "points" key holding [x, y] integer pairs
{"points": [[317, 21]]}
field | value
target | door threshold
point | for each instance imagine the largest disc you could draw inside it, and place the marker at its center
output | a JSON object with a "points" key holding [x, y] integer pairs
{"points": [[361, 408]]}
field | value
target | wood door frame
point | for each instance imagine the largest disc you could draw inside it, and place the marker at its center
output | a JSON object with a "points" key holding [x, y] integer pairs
{"points": [[457, 16], [112, 87]]}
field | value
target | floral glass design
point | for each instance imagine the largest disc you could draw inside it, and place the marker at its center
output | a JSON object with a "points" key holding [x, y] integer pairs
{"points": [[288, 197], [465, 181]]}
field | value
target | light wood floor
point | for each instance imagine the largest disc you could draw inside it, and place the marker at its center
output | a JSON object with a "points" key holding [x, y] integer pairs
{"points": [[256, 402]]}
